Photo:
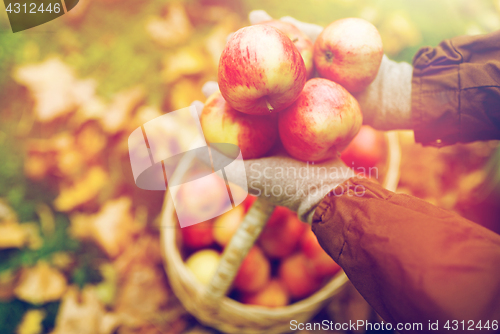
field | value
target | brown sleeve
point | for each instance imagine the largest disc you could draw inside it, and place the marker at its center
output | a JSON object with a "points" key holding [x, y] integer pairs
{"points": [[412, 261], [456, 91]]}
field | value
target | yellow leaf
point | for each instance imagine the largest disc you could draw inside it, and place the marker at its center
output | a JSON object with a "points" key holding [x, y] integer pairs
{"points": [[12, 235], [184, 92], [186, 61], [81, 191], [31, 322], [40, 284]]}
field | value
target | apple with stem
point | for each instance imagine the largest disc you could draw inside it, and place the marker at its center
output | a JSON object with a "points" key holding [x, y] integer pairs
{"points": [[349, 51], [260, 70]]}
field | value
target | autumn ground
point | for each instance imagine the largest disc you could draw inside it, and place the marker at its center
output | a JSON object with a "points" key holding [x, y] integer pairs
{"points": [[79, 241]]}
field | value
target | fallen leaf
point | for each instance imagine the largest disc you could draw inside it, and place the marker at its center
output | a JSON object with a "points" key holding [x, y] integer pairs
{"points": [[31, 322], [186, 61], [8, 279], [12, 235], [83, 313], [118, 113], [90, 140], [54, 87], [171, 30], [40, 284], [81, 191], [141, 296], [111, 228], [146, 251], [184, 92]]}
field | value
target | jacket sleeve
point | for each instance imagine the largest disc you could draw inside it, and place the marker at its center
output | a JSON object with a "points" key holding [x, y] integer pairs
{"points": [[456, 91], [412, 261]]}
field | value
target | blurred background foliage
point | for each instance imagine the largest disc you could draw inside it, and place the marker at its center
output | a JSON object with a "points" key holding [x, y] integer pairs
{"points": [[134, 60]]}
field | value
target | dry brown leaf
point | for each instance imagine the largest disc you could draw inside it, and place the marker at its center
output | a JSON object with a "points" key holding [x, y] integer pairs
{"points": [[141, 296], [31, 322], [40, 284], [8, 279], [82, 313], [54, 87], [146, 251], [81, 191], [111, 228], [171, 30]]}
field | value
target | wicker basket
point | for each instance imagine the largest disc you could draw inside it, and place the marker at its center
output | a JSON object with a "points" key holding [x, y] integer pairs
{"points": [[210, 305]]}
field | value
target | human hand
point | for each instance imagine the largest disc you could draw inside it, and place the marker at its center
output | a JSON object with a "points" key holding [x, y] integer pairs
{"points": [[386, 102], [282, 180]]}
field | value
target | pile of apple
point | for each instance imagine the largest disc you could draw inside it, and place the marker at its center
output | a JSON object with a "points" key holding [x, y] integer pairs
{"points": [[285, 265], [268, 88]]}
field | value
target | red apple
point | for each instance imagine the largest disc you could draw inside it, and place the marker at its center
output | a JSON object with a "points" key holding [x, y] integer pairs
{"points": [[260, 70], [295, 272], [349, 51], [254, 273], [322, 265], [301, 41], [199, 235], [281, 234], [253, 134], [366, 150], [226, 225], [322, 121], [273, 294]]}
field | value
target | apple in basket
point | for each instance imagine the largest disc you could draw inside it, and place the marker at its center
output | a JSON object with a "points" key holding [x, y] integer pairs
{"points": [[281, 234], [226, 225], [322, 265], [199, 235], [273, 294], [349, 51], [296, 274], [321, 122], [254, 272], [260, 70]]}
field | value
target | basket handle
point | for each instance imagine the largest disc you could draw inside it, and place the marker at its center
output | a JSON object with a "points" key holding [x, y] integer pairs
{"points": [[237, 249]]}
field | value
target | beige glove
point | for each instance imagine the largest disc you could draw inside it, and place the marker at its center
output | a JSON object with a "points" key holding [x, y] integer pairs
{"points": [[282, 180]]}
